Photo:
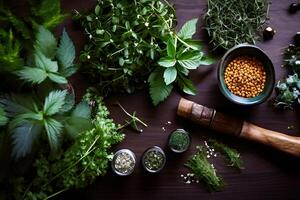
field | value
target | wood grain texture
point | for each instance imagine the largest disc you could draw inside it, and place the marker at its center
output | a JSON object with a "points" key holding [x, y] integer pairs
{"points": [[268, 174]]}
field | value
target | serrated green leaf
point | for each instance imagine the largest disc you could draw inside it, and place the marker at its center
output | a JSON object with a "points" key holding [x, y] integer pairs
{"points": [[45, 63], [190, 60], [186, 86], [45, 42], [53, 129], [54, 102], [171, 49], [170, 75], [74, 126], [69, 102], [17, 104], [159, 91], [65, 54], [82, 110], [205, 60], [167, 62], [24, 137], [188, 29], [57, 78], [3, 118], [97, 9], [32, 75]]}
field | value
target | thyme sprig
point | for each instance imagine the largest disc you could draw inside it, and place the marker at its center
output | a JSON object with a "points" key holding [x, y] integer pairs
{"points": [[234, 22]]}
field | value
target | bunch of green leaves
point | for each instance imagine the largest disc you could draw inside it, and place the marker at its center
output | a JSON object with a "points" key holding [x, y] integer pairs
{"points": [[10, 49], [43, 66], [288, 90], [181, 55], [233, 157], [233, 22], [81, 163], [125, 41], [29, 118], [204, 171], [42, 12]]}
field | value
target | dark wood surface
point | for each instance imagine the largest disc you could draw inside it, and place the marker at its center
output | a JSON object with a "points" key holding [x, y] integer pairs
{"points": [[268, 174]]}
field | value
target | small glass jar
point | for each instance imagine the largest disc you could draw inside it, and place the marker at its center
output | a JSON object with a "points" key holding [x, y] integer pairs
{"points": [[179, 141], [123, 162], [154, 159]]}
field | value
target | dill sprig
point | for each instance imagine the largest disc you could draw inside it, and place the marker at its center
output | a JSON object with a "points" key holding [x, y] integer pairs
{"points": [[232, 156], [233, 22], [204, 171]]}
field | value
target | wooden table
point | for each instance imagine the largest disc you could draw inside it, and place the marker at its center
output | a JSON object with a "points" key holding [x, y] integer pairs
{"points": [[268, 174]]}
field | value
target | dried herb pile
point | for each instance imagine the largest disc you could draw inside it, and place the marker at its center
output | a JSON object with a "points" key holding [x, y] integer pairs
{"points": [[233, 22]]}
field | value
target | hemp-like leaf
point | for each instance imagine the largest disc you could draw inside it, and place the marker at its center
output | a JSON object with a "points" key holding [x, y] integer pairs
{"points": [[46, 42], [54, 102]]}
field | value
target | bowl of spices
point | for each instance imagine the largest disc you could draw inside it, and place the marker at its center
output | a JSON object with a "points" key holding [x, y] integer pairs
{"points": [[179, 141], [246, 75], [123, 162], [154, 159]]}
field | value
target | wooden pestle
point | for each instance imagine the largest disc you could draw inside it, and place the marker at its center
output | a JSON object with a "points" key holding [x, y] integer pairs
{"points": [[209, 118]]}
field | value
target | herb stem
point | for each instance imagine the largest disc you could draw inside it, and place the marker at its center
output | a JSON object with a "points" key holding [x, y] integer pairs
{"points": [[131, 116]]}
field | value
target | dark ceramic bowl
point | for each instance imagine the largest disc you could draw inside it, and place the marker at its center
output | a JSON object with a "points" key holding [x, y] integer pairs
{"points": [[251, 51]]}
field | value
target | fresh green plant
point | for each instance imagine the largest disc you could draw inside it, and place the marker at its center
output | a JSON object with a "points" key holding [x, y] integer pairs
{"points": [[29, 118], [80, 164], [182, 54], [3, 117], [233, 22], [179, 140], [204, 171], [45, 51], [289, 89], [9, 52], [230, 154], [125, 41]]}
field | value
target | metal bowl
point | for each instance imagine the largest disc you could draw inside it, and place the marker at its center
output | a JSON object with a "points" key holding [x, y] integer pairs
{"points": [[252, 51], [155, 149], [113, 162], [175, 150]]}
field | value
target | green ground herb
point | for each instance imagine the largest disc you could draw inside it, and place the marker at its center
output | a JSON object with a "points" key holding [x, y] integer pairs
{"points": [[179, 140], [233, 22]]}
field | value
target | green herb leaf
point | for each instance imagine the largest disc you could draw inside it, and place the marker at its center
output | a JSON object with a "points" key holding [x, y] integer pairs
{"points": [[57, 78], [159, 91], [170, 75], [171, 49], [32, 75], [53, 129], [190, 60], [54, 102], [188, 29], [74, 126], [196, 44], [186, 85], [45, 63], [3, 118], [45, 42], [205, 60], [82, 110], [24, 137], [167, 62], [66, 55]]}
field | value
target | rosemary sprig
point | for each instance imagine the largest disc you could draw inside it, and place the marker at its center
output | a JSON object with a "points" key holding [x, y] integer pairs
{"points": [[232, 156], [204, 171], [234, 22]]}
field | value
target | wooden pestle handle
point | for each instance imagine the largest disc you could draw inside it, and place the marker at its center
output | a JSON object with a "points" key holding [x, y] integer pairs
{"points": [[209, 118]]}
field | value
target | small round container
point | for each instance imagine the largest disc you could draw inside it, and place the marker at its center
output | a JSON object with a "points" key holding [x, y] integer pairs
{"points": [[154, 159], [179, 141], [251, 51], [123, 162]]}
